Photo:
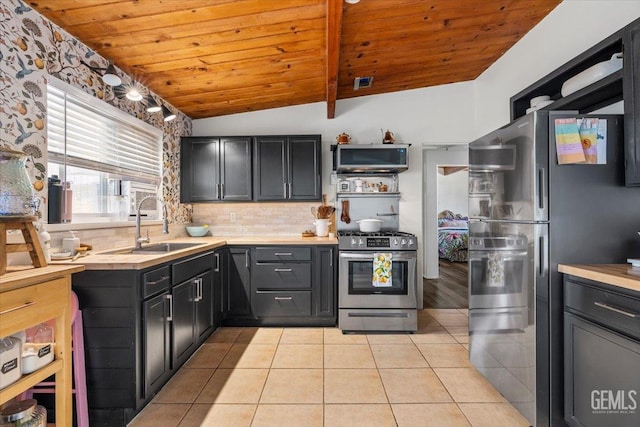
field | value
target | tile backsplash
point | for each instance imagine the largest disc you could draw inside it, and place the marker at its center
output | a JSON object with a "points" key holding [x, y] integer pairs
{"points": [[234, 219]]}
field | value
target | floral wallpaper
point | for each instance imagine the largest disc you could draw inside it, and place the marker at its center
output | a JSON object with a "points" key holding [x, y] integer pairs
{"points": [[32, 48]]}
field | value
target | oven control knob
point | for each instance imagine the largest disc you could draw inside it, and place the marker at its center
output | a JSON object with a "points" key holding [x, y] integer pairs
{"points": [[360, 242], [410, 242], [353, 242], [395, 242], [403, 242]]}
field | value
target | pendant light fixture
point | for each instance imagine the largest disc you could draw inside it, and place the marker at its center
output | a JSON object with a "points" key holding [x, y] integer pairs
{"points": [[110, 75], [167, 114], [152, 105]]}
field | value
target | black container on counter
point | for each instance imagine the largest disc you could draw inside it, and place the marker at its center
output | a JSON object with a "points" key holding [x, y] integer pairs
{"points": [[54, 211]]}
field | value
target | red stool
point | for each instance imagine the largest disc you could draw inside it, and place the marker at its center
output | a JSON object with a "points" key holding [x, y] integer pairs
{"points": [[79, 376]]}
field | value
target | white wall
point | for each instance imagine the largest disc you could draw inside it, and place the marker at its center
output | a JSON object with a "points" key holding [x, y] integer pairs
{"points": [[435, 115], [453, 192], [570, 29]]}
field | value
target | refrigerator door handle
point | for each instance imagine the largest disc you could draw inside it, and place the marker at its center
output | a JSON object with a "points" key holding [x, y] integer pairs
{"points": [[541, 189], [543, 258]]}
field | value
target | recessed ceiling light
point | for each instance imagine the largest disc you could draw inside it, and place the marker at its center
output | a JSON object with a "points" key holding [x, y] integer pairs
{"points": [[352, 1]]}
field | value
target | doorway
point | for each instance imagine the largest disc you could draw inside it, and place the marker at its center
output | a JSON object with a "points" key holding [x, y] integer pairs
{"points": [[445, 185]]}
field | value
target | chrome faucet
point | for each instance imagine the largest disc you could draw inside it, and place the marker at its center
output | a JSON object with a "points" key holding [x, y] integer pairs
{"points": [[165, 222]]}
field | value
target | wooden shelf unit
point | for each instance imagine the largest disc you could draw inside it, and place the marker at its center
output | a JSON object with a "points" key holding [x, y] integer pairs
{"points": [[32, 296]]}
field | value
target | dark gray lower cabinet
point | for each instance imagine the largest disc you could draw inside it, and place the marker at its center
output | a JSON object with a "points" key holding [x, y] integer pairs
{"points": [[183, 328], [157, 342], [324, 282], [238, 286], [140, 326], [282, 285], [602, 356]]}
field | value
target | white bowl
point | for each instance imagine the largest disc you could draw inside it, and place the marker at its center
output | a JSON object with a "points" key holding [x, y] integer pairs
{"points": [[538, 99], [592, 75]]}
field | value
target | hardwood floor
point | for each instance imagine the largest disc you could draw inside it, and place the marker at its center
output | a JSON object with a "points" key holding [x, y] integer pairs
{"points": [[450, 290]]}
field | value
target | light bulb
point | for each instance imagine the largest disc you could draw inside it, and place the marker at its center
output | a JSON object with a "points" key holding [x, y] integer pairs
{"points": [[134, 95]]}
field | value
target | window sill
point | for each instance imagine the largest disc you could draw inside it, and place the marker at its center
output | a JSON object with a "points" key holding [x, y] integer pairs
{"points": [[97, 225]]}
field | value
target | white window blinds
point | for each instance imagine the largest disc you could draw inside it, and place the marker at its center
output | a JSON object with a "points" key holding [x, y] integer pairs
{"points": [[97, 138]]}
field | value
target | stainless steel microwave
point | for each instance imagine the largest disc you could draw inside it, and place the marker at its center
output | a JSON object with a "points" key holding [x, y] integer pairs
{"points": [[371, 158]]}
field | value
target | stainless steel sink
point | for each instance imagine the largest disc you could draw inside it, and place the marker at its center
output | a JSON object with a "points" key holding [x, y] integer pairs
{"points": [[158, 248]]}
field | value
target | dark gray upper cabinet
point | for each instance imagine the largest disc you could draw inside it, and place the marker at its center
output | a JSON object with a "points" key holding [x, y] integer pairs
{"points": [[215, 169], [632, 103], [235, 168], [287, 168]]}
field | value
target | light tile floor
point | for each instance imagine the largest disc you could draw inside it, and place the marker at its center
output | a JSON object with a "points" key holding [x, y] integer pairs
{"points": [[320, 377]]}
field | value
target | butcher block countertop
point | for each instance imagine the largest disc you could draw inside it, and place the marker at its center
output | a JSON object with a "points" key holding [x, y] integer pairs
{"points": [[111, 261], [21, 276], [621, 275]]}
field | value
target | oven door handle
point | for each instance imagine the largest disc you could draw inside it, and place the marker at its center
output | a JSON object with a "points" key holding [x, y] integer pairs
{"points": [[369, 255]]}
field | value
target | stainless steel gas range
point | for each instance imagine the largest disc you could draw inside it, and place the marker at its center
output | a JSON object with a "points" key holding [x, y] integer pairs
{"points": [[377, 281]]}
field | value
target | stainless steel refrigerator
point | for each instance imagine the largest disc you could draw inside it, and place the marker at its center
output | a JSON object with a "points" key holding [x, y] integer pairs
{"points": [[527, 215]]}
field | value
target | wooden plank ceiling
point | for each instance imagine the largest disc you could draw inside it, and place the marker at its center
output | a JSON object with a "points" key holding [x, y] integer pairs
{"points": [[211, 58]]}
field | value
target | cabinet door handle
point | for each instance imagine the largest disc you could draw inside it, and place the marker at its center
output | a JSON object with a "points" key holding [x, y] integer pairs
{"points": [[25, 305], [217, 191], [162, 279], [217, 267], [200, 287], [283, 298], [285, 189], [616, 309], [282, 270], [290, 190], [283, 254], [330, 257], [222, 191], [246, 259], [170, 316]]}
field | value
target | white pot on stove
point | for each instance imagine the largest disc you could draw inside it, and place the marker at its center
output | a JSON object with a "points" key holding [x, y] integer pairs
{"points": [[369, 225]]}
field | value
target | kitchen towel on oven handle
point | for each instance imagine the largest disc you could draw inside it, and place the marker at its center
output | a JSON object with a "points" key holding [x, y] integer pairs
{"points": [[382, 264]]}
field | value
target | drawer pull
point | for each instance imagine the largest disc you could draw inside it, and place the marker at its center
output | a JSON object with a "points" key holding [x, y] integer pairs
{"points": [[616, 309], [25, 305], [283, 254], [162, 279], [282, 270], [283, 298]]}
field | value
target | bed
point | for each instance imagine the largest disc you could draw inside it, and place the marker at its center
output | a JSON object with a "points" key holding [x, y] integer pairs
{"points": [[453, 235]]}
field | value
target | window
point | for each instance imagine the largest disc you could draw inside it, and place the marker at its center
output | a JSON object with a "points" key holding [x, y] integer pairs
{"points": [[96, 149]]}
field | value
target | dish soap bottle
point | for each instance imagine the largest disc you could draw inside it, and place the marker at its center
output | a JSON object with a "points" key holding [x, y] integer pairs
{"points": [[71, 244], [45, 241]]}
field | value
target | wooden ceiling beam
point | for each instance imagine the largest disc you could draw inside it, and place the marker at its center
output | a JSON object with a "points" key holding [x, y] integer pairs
{"points": [[334, 30]]}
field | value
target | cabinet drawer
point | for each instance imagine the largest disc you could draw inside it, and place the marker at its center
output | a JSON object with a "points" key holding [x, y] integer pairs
{"points": [[155, 281], [283, 253], [293, 303], [282, 276], [184, 270], [609, 308], [24, 307]]}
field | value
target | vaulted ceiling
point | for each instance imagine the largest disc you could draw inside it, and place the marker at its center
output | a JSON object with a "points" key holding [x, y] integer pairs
{"points": [[211, 58]]}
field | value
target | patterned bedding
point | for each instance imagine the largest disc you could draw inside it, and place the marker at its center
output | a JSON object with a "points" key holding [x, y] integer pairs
{"points": [[453, 235]]}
